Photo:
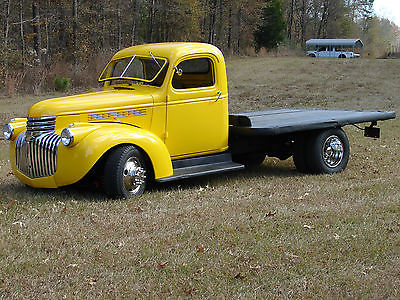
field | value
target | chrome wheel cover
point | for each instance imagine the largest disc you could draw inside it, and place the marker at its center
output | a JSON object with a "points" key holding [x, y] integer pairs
{"points": [[134, 175], [332, 151]]}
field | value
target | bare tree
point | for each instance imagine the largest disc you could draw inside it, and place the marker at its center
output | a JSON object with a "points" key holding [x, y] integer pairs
{"points": [[290, 22], [150, 20], [21, 30], [213, 8], [303, 22], [238, 29], [136, 16], [36, 29], [6, 32], [119, 22], [324, 20], [75, 32], [230, 28]]}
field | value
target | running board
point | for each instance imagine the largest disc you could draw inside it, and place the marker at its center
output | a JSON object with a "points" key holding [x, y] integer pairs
{"points": [[204, 165]]}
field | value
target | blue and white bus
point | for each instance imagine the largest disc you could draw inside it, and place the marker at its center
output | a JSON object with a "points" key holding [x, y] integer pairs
{"points": [[337, 48]]}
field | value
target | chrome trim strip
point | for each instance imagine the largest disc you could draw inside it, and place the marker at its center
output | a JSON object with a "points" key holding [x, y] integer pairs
{"points": [[118, 114], [41, 118], [36, 126]]}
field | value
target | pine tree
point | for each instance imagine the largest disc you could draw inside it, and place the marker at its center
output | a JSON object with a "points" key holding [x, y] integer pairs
{"points": [[270, 31]]}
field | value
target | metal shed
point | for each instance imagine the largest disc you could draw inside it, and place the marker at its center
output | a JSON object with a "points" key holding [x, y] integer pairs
{"points": [[350, 43]]}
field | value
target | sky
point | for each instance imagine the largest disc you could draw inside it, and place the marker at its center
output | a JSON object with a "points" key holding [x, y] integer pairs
{"points": [[389, 9]]}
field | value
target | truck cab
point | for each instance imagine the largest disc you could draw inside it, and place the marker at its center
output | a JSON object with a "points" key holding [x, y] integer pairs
{"points": [[168, 101], [188, 86]]}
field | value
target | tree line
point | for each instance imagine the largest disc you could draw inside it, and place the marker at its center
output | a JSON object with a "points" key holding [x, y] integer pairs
{"points": [[40, 33]]}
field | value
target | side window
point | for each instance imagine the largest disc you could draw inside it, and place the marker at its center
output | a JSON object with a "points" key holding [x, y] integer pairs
{"points": [[196, 73]]}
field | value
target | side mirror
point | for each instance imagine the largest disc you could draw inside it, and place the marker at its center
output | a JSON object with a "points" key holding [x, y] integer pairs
{"points": [[178, 71]]}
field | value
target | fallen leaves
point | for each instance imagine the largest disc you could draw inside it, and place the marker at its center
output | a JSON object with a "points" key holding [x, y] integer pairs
{"points": [[19, 223], [135, 208], [304, 196], [11, 203], [202, 189], [240, 276], [189, 290], [199, 249], [92, 281], [198, 273], [270, 214], [161, 266], [138, 209]]}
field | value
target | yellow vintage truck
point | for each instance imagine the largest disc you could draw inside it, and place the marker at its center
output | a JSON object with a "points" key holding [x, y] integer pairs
{"points": [[163, 115]]}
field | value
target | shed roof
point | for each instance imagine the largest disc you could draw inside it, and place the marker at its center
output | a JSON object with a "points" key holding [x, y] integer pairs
{"points": [[357, 43]]}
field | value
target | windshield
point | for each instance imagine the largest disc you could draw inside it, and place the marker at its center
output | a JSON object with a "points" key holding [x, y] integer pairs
{"points": [[143, 69]]}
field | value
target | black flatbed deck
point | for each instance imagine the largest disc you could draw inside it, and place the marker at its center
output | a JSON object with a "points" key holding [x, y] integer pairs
{"points": [[283, 121]]}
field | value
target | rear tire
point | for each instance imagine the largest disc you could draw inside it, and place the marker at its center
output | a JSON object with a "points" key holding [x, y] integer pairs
{"points": [[328, 151], [125, 172]]}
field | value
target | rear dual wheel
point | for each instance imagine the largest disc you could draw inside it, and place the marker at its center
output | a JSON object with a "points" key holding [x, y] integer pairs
{"points": [[324, 152]]}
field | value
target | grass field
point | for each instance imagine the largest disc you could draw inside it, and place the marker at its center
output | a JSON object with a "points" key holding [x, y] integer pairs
{"points": [[270, 232]]}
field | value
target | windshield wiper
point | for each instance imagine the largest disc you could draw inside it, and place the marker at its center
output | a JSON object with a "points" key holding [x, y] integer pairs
{"points": [[126, 68], [158, 64]]}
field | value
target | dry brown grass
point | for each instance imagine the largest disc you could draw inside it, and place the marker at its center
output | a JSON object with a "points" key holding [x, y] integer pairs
{"points": [[264, 233]]}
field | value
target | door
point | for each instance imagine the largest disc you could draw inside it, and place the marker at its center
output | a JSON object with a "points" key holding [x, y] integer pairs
{"points": [[197, 110]]}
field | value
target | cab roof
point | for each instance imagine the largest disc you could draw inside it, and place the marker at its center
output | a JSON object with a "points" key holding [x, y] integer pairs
{"points": [[172, 51]]}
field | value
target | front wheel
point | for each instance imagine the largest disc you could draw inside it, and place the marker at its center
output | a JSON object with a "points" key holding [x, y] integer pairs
{"points": [[329, 151], [125, 173]]}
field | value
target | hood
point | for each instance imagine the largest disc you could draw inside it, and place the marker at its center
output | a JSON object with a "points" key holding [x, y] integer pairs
{"points": [[90, 102]]}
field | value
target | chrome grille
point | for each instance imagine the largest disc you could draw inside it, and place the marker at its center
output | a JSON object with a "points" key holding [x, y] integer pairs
{"points": [[39, 125], [37, 157]]}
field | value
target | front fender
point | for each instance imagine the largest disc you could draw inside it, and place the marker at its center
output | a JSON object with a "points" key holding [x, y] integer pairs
{"points": [[73, 163]]}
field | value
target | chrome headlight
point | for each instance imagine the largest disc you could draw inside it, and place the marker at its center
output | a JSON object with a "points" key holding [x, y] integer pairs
{"points": [[8, 131], [67, 138]]}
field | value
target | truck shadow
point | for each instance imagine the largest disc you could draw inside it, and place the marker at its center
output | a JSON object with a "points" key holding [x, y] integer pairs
{"points": [[93, 191], [263, 172], [18, 192]]}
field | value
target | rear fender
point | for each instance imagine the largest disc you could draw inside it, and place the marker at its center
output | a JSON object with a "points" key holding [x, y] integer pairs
{"points": [[92, 141]]}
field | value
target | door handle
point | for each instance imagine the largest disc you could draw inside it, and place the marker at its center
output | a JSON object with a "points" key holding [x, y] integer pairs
{"points": [[219, 95]]}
